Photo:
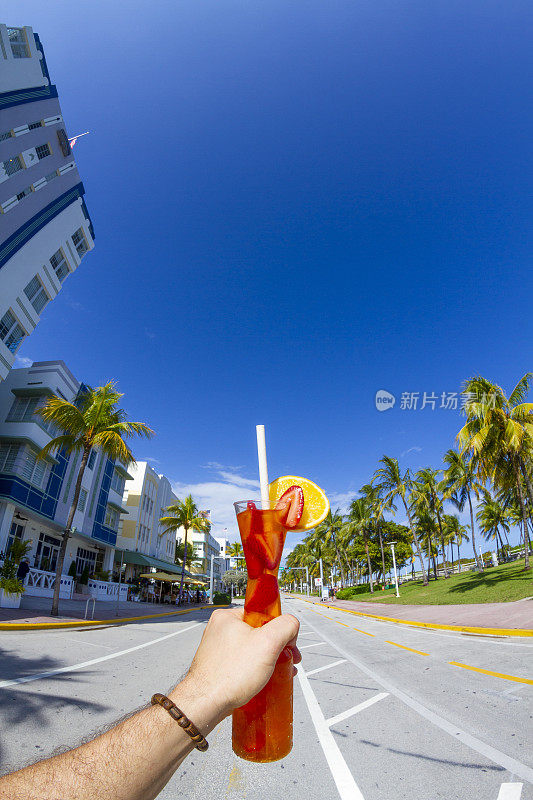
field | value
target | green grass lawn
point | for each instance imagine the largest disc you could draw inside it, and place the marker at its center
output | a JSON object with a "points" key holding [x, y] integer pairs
{"points": [[495, 585]]}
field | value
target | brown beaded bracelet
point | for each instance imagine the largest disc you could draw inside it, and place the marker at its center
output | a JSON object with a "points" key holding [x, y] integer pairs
{"points": [[200, 742]]}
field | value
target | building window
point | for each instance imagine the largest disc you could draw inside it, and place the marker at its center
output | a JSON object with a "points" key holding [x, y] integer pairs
{"points": [[82, 502], [111, 518], [80, 242], [13, 165], [11, 332], [47, 552], [59, 265], [33, 469], [42, 151], [24, 193], [33, 125], [18, 42], [92, 459], [85, 558], [16, 532], [36, 294], [6, 135], [23, 409], [8, 457], [117, 483]]}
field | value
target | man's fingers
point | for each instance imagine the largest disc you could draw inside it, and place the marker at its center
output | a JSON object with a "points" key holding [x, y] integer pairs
{"points": [[281, 631]]}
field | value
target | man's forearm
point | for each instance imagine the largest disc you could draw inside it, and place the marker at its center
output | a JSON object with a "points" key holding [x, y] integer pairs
{"points": [[133, 761]]}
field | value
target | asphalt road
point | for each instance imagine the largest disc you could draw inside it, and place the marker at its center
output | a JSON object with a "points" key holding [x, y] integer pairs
{"points": [[379, 710]]}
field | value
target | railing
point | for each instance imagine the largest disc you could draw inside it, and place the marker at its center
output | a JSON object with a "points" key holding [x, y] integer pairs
{"points": [[41, 583], [102, 590]]}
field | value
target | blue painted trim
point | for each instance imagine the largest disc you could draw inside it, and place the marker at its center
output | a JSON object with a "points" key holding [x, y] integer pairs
{"points": [[43, 60], [23, 493], [100, 531], [21, 96], [18, 239]]}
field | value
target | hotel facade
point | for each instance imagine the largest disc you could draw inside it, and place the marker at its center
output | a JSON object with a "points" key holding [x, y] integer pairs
{"points": [[45, 228], [36, 495], [142, 543]]}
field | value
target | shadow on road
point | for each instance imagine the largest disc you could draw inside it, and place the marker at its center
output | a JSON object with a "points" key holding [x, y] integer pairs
{"points": [[447, 761], [18, 707]]}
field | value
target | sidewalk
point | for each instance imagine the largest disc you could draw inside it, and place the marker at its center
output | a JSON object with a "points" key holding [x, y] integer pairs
{"points": [[36, 610], [516, 615]]}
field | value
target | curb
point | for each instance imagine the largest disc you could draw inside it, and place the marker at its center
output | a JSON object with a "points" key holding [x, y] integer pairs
{"points": [[431, 625], [82, 623]]}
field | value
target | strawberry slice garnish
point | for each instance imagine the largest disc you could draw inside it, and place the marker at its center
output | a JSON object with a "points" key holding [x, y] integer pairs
{"points": [[291, 506]]}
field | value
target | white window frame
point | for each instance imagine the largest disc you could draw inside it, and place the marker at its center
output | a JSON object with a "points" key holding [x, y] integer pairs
{"points": [[36, 293], [14, 332]]}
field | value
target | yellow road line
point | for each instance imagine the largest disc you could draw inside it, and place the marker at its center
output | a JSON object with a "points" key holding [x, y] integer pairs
{"points": [[494, 674], [411, 649], [341, 623], [360, 631], [82, 623], [434, 625]]}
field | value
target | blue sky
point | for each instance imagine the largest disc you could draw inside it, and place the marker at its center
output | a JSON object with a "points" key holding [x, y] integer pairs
{"points": [[296, 204]]}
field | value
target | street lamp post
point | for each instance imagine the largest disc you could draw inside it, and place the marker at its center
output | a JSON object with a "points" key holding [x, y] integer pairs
{"points": [[394, 565]]}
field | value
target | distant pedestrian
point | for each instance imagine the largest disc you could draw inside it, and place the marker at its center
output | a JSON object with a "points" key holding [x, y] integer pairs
{"points": [[24, 568]]}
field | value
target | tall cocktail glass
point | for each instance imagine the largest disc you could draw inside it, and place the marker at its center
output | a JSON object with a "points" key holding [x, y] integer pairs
{"points": [[262, 729]]}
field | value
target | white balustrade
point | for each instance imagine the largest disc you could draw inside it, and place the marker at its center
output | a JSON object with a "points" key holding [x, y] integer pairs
{"points": [[103, 590], [41, 583]]}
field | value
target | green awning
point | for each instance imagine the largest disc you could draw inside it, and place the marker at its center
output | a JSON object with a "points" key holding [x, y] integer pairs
{"points": [[129, 557]]}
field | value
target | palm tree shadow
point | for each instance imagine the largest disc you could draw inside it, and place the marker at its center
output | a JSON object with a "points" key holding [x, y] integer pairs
{"points": [[17, 707]]}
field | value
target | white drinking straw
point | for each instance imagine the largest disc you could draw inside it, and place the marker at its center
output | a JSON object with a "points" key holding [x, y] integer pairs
{"points": [[263, 469]]}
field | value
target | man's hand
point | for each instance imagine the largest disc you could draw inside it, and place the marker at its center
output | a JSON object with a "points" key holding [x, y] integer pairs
{"points": [[234, 661]]}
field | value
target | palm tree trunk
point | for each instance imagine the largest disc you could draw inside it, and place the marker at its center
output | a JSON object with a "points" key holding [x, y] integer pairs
{"points": [[444, 559], [382, 552], [530, 494], [441, 534], [524, 516], [339, 560], [66, 533], [458, 556], [417, 543], [369, 566], [479, 562], [182, 581]]}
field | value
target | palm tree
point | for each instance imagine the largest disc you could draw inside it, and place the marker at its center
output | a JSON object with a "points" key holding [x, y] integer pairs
{"points": [[191, 557], [455, 532], [327, 533], [93, 422], [378, 506], [499, 432], [236, 551], [183, 514], [360, 520], [392, 484], [425, 490], [492, 517], [458, 484]]}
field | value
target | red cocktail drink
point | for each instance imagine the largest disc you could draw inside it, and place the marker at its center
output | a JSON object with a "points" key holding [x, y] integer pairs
{"points": [[262, 729]]}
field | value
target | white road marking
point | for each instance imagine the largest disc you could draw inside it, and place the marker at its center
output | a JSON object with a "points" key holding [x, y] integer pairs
{"points": [[40, 675], [307, 646], [356, 709], [510, 791], [344, 780], [326, 666], [482, 748], [306, 633]]}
